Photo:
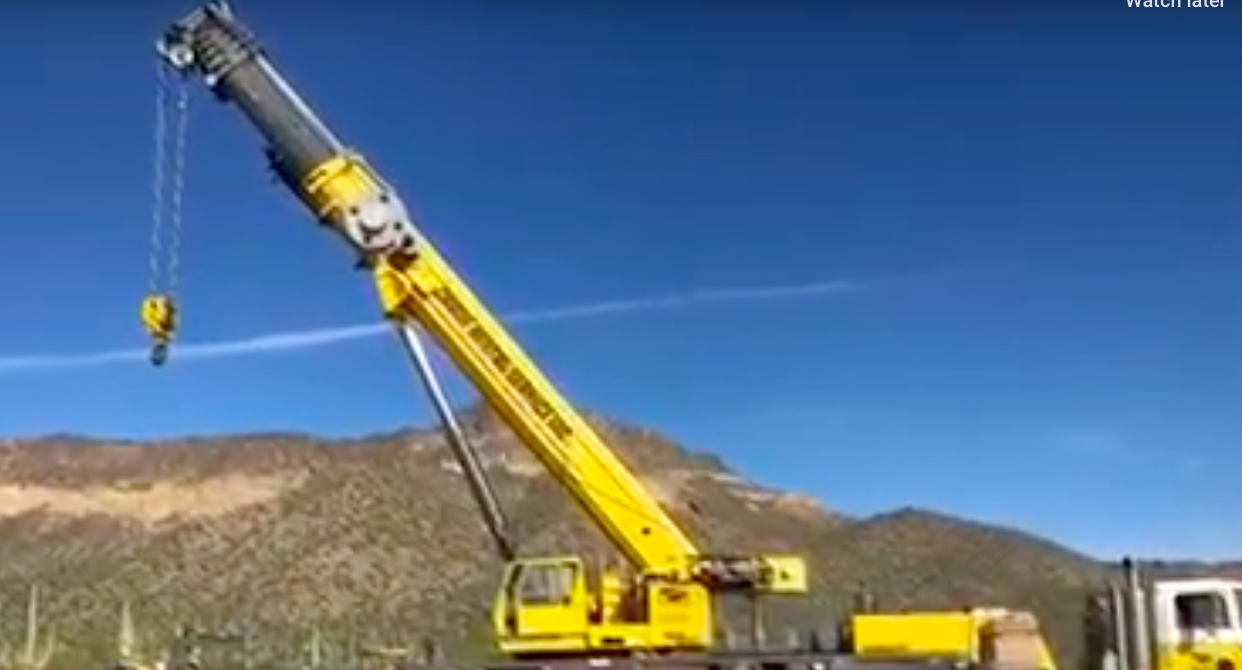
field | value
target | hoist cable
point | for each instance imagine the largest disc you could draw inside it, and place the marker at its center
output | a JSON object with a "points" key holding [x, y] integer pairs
{"points": [[159, 309], [178, 191], [157, 180]]}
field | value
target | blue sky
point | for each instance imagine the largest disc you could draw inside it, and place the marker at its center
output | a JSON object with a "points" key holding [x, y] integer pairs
{"points": [[1036, 210]]}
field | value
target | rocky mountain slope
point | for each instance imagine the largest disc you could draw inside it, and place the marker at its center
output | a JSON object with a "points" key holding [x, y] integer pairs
{"points": [[377, 540]]}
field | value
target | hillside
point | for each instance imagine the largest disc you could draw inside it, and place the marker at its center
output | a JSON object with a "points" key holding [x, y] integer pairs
{"points": [[377, 538]]}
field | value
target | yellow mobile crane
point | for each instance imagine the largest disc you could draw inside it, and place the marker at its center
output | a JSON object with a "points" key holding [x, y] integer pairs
{"points": [[544, 606], [663, 613]]}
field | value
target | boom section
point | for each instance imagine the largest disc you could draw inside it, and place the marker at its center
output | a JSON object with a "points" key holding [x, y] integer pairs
{"points": [[339, 188], [426, 290], [417, 286]]}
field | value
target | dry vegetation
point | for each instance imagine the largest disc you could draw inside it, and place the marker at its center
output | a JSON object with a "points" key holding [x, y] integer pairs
{"points": [[375, 541]]}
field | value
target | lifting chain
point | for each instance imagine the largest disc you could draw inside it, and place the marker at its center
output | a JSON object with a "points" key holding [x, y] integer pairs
{"points": [[159, 308]]}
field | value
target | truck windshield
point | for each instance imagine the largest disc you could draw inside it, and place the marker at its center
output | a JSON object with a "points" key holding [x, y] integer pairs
{"points": [[1237, 608]]}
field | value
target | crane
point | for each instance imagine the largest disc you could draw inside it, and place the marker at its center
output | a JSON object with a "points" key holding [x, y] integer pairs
{"points": [[545, 609], [544, 606]]}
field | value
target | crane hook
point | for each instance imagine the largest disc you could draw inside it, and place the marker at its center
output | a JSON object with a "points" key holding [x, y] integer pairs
{"points": [[159, 317], [159, 354]]}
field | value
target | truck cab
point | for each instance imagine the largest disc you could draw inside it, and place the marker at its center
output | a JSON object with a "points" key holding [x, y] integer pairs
{"points": [[1166, 623], [1197, 624]]}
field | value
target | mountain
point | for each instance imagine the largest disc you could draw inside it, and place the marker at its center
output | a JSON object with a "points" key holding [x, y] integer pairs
{"points": [[377, 540]]}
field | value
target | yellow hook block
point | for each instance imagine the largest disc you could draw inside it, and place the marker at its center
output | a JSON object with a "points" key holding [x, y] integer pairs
{"points": [[159, 317]]}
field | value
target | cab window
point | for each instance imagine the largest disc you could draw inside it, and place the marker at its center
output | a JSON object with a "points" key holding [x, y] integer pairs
{"points": [[546, 584], [1237, 608], [1202, 611]]}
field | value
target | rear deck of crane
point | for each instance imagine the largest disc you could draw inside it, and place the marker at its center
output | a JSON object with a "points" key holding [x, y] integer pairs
{"points": [[984, 638]]}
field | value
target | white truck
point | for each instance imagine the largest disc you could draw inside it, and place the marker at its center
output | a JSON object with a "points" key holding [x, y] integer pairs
{"points": [[1141, 623]]}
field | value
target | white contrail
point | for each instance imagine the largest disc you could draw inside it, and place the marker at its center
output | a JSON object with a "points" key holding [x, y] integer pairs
{"points": [[302, 340]]}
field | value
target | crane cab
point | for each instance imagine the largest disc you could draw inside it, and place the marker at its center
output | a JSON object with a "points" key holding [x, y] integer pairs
{"points": [[547, 607], [542, 601]]}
